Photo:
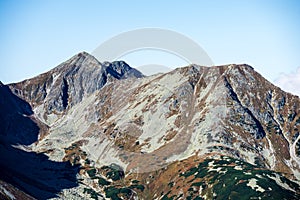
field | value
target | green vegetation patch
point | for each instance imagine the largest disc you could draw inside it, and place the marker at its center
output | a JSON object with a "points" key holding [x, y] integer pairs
{"points": [[92, 172], [93, 193], [102, 181], [115, 193], [114, 172], [229, 178], [139, 187]]}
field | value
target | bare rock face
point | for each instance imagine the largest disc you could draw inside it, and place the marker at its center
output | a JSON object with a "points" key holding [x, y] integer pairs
{"points": [[124, 136]]}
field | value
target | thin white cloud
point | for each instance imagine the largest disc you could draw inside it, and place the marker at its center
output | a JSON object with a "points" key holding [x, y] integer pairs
{"points": [[290, 82]]}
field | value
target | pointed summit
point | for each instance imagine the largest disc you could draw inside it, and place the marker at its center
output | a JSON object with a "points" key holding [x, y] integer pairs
{"points": [[70, 82]]}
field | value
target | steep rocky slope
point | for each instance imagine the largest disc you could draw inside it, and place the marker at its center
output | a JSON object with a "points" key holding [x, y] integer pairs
{"points": [[105, 130]]}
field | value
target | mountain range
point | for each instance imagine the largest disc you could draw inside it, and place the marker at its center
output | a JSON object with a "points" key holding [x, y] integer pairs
{"points": [[92, 130]]}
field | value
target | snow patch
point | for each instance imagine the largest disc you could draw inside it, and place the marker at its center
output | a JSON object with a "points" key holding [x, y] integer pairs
{"points": [[269, 154], [279, 182], [253, 184], [7, 193], [237, 167]]}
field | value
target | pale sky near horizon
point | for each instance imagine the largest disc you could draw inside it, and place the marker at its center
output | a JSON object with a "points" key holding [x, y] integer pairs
{"points": [[36, 36]]}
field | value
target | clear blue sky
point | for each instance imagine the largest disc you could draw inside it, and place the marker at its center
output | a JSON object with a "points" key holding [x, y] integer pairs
{"points": [[35, 36]]}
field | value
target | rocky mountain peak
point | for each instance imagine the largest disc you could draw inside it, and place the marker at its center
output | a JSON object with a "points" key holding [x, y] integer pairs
{"points": [[116, 69], [71, 81]]}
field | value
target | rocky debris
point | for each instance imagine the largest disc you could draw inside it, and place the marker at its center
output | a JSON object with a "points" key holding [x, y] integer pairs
{"points": [[247, 120]]}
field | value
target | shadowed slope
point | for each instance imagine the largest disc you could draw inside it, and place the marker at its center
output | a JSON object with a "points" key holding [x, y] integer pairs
{"points": [[29, 171]]}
